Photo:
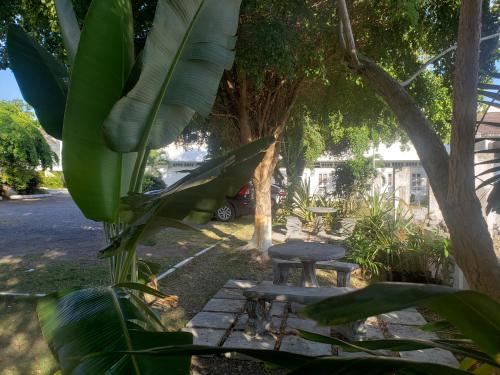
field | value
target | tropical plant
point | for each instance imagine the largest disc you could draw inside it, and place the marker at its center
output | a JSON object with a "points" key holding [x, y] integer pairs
{"points": [[302, 200], [23, 148], [79, 323], [474, 315], [143, 101], [385, 239], [138, 104], [492, 92]]}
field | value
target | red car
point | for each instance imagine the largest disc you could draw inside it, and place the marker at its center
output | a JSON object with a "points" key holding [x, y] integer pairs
{"points": [[243, 203]]}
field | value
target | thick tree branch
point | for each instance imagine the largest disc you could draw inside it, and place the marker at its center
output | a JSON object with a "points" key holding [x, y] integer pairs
{"points": [[347, 35], [437, 57], [430, 148]]}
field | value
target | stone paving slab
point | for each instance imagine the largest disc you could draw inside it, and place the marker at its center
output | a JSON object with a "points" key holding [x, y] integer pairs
{"points": [[440, 356], [224, 316], [238, 339], [225, 305], [278, 308], [409, 317], [230, 294], [373, 332], [296, 307], [242, 323], [206, 336], [343, 353], [212, 320], [295, 344], [400, 331], [239, 284], [293, 324]]}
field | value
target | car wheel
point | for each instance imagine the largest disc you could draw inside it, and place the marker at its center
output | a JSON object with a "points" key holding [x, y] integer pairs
{"points": [[225, 213]]}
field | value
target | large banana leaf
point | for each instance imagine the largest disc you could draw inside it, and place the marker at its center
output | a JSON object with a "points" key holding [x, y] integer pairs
{"points": [[43, 80], [193, 199], [474, 314], [69, 27], [493, 201], [302, 364], [103, 62], [78, 323], [373, 366], [189, 46], [399, 345]]}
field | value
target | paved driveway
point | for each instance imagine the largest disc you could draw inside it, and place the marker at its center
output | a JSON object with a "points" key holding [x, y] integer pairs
{"points": [[50, 224]]}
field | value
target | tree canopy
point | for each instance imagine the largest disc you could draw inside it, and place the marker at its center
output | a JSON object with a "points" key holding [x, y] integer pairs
{"points": [[297, 39]]}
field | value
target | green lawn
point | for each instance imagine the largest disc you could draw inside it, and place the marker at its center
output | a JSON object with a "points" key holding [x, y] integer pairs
{"points": [[48, 271], [22, 348]]}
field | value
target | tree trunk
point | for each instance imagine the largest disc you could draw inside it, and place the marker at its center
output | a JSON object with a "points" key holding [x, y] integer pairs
{"points": [[262, 178], [451, 178], [472, 244]]}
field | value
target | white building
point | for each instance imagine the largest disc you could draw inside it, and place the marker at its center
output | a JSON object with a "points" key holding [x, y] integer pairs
{"points": [[176, 161]]}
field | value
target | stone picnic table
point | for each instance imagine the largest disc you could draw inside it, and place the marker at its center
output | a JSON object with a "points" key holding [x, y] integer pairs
{"points": [[319, 212], [308, 253]]}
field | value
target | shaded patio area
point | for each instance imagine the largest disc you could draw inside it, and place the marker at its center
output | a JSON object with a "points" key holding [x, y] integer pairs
{"points": [[223, 320]]}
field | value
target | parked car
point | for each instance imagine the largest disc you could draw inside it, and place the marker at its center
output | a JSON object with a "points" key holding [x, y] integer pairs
{"points": [[243, 203]]}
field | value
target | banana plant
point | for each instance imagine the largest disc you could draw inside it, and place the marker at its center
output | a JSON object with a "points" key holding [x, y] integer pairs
{"points": [[78, 323], [110, 107]]}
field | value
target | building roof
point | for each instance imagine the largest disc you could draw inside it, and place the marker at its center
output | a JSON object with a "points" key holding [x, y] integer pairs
{"points": [[485, 128], [176, 152]]}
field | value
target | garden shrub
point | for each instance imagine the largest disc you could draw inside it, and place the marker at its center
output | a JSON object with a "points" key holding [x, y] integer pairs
{"points": [[23, 148], [52, 180], [386, 242], [152, 182], [353, 176]]}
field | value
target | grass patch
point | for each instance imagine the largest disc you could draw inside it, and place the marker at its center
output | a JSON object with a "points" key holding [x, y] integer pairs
{"points": [[23, 349]]}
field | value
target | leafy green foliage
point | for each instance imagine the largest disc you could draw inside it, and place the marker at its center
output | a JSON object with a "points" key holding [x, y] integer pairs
{"points": [[302, 144], [34, 68], [353, 176], [188, 66], [22, 146], [493, 177], [193, 199], [302, 199], [103, 62], [77, 324], [385, 239], [289, 31], [52, 180], [152, 182]]}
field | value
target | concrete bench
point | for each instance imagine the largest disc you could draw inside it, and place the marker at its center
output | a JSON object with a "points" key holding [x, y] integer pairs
{"points": [[260, 296], [281, 269]]}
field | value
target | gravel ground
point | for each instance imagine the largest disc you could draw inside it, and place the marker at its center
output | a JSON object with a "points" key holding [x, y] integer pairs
{"points": [[54, 223]]}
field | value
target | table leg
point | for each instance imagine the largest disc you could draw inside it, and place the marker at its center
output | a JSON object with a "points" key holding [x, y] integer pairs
{"points": [[308, 278], [318, 224]]}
